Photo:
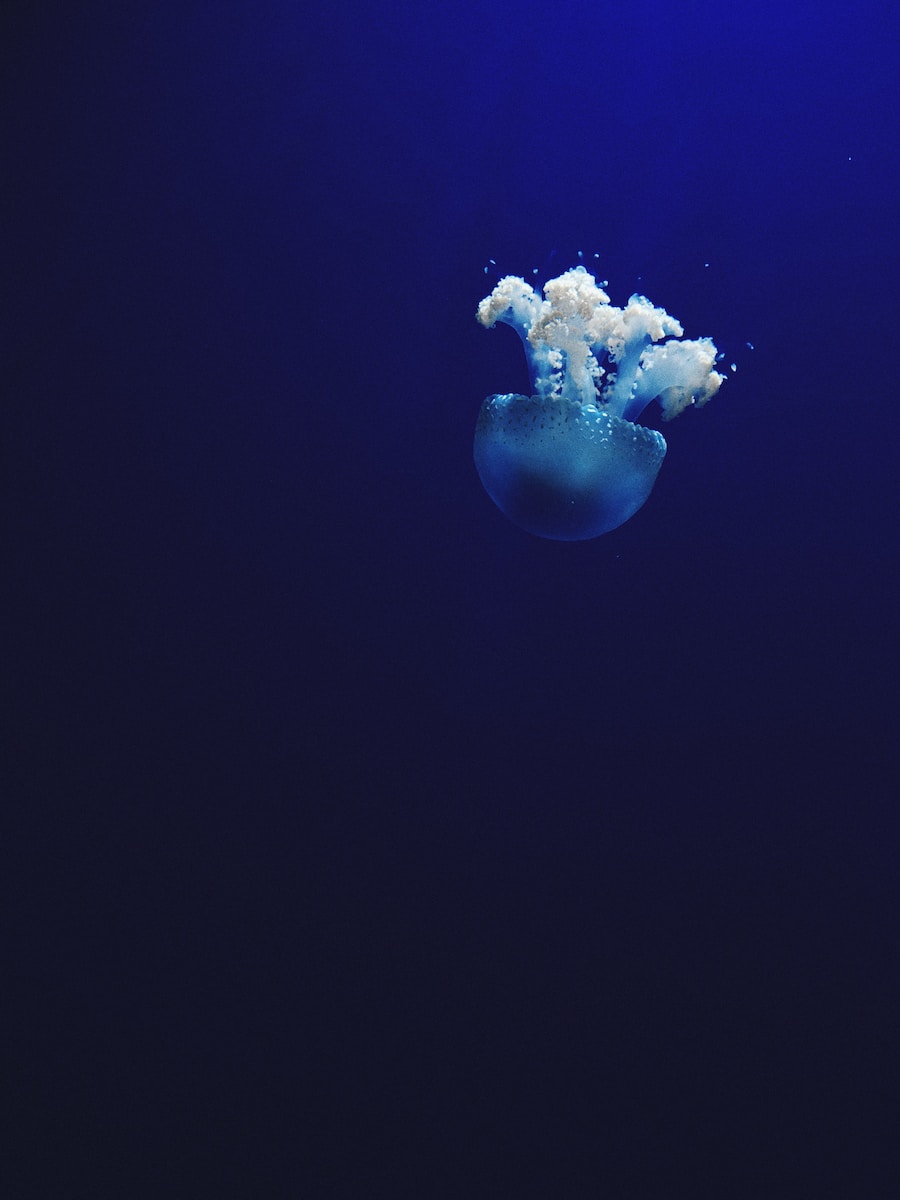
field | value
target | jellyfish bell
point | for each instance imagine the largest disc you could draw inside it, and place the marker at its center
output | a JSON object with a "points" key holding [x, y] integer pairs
{"points": [[570, 461], [564, 470]]}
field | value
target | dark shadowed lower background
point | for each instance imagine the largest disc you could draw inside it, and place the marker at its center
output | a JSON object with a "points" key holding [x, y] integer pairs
{"points": [[358, 843]]}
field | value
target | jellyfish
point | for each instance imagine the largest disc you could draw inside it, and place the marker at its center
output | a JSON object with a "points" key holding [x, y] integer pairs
{"points": [[571, 461]]}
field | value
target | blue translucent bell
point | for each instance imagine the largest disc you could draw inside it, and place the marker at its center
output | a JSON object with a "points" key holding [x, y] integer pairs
{"points": [[561, 469]]}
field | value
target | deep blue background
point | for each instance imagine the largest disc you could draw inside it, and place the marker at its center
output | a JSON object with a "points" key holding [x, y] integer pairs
{"points": [[359, 843]]}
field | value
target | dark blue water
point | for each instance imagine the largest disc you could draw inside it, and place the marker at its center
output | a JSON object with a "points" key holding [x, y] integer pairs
{"points": [[361, 844]]}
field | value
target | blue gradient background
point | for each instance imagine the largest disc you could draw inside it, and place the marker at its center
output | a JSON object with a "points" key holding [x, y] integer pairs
{"points": [[358, 843]]}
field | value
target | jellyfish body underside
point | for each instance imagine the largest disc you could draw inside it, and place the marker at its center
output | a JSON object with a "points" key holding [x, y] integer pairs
{"points": [[561, 469]]}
